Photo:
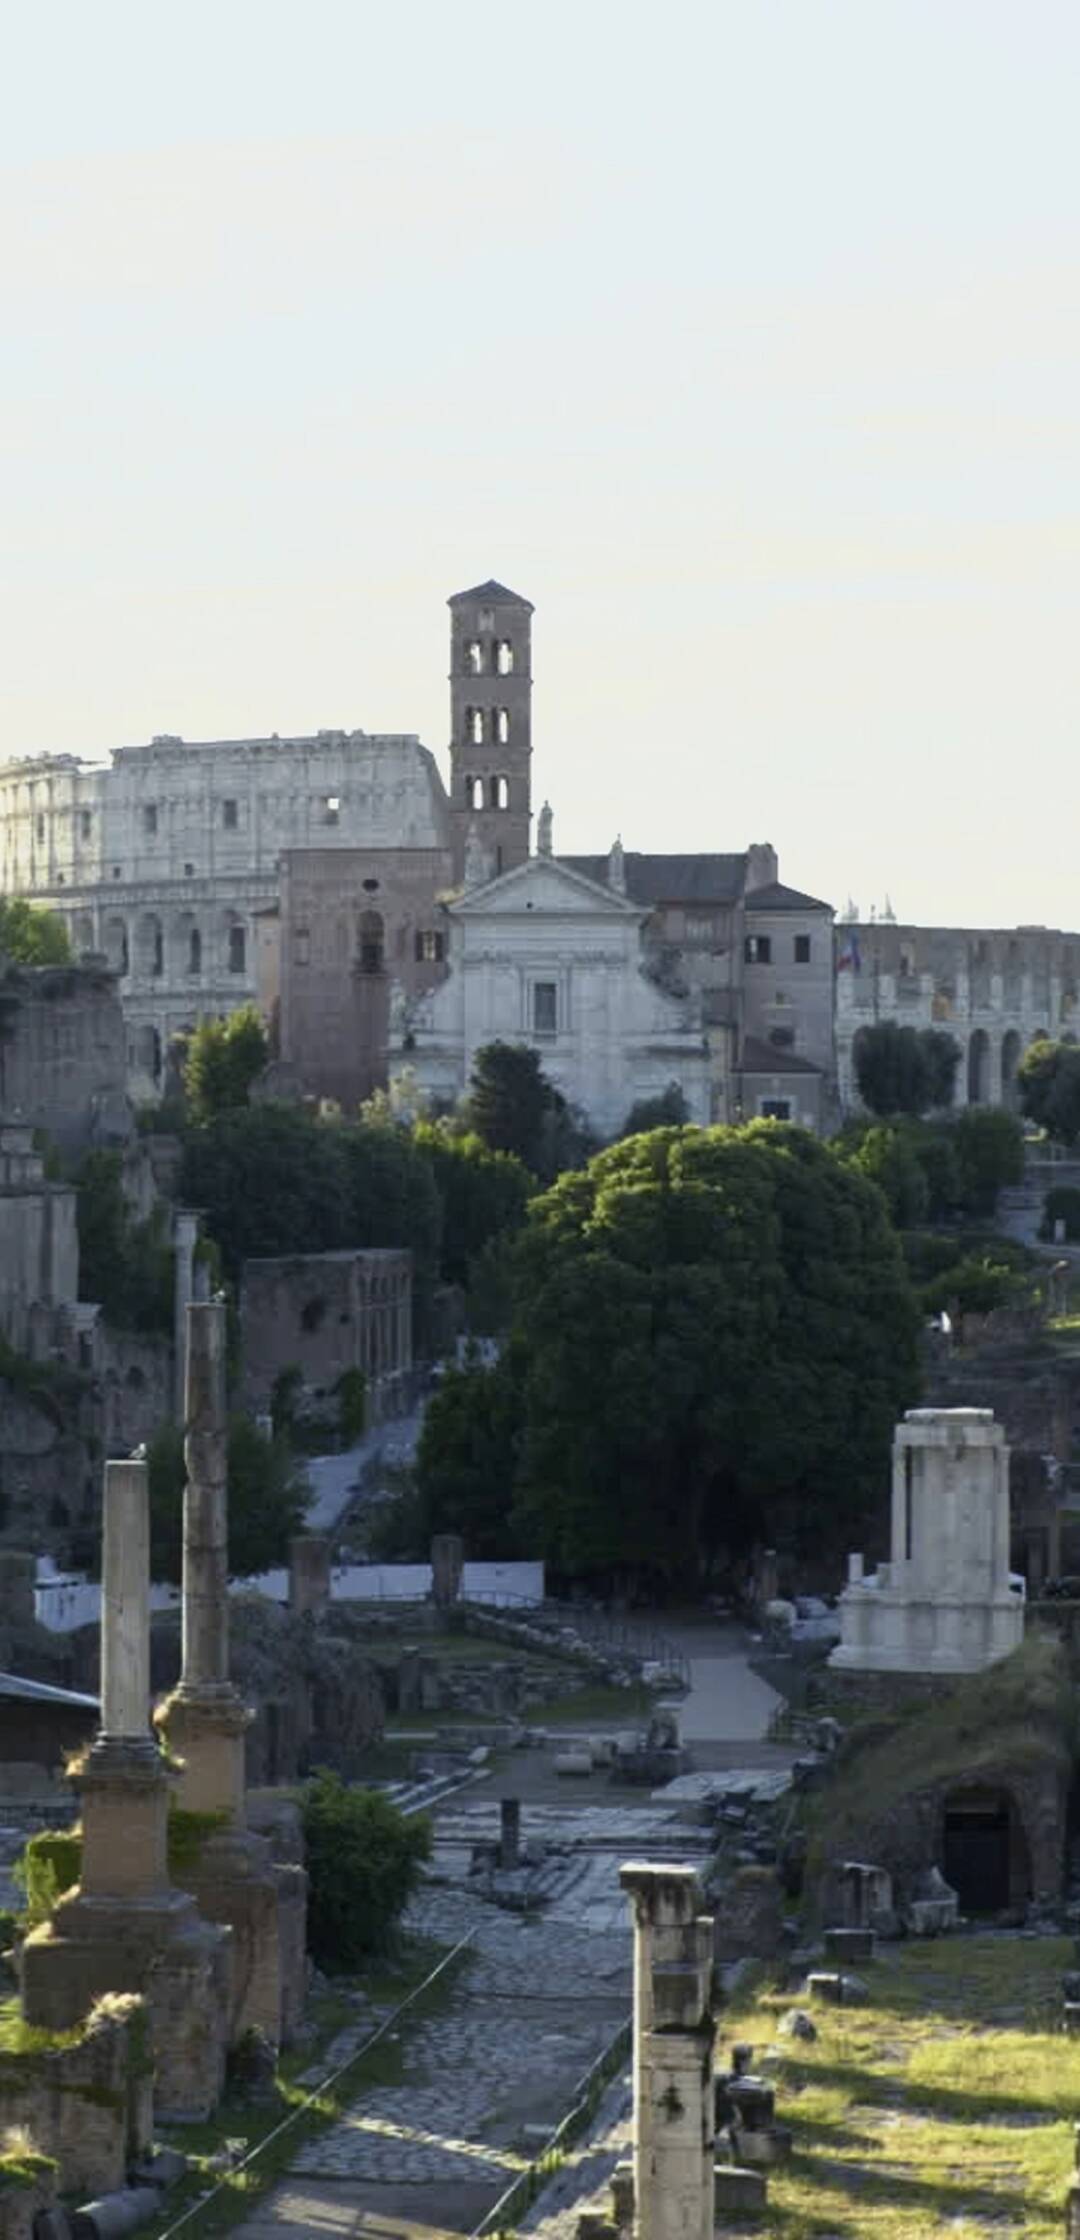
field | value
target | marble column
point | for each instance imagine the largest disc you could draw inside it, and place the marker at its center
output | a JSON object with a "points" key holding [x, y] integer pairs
{"points": [[125, 1607], [673, 2047], [185, 1237]]}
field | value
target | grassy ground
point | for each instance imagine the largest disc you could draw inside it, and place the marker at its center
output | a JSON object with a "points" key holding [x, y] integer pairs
{"points": [[945, 2103], [240, 2125]]}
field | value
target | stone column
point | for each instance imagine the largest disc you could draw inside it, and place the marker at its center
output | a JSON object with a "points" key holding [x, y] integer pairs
{"points": [[125, 1928], [185, 1237], [205, 1720], [673, 2047], [309, 1572], [447, 1565], [510, 1833]]}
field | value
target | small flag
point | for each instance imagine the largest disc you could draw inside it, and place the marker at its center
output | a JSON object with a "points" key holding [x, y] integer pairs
{"points": [[849, 959]]}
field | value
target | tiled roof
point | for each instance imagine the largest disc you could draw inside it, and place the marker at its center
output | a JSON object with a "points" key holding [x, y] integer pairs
{"points": [[764, 1057], [653, 879], [496, 592], [778, 897]]}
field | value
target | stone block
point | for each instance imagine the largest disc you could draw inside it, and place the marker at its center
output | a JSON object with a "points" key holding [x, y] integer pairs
{"points": [[116, 2213], [796, 2023], [850, 1946], [753, 2101], [764, 2149], [622, 2196], [737, 2194], [835, 1990], [23, 2206], [88, 2105], [1071, 2018], [234, 1882]]}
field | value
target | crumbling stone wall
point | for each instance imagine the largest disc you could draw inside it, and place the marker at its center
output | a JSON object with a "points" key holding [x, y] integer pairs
{"points": [[88, 2105], [63, 1053]]}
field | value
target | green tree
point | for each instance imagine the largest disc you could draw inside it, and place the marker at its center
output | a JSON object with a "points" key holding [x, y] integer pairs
{"points": [[989, 1148], [1049, 1081], [668, 1110], [125, 1266], [224, 1057], [483, 1194], [363, 1858], [270, 1180], [716, 1333], [888, 1155], [392, 1196], [904, 1069], [508, 1100], [467, 1458], [30, 935], [267, 1500]]}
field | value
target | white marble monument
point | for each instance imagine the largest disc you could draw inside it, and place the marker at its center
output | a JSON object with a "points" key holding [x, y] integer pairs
{"points": [[946, 1601]]}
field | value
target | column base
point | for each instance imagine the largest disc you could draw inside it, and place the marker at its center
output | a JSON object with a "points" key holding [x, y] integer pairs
{"points": [[235, 1882], [157, 1945], [204, 1729]]}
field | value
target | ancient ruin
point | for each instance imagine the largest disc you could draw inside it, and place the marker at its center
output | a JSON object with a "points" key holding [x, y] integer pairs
{"points": [[125, 1927], [946, 1602], [204, 1721]]}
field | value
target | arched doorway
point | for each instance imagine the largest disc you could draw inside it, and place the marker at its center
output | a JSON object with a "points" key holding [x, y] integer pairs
{"points": [[984, 1851], [978, 1067], [1010, 1059]]}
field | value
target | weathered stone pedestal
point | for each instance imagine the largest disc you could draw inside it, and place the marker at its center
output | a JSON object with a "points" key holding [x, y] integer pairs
{"points": [[124, 1928], [231, 1873]]}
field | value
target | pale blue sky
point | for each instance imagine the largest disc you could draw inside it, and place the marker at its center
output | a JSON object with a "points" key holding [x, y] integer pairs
{"points": [[744, 340]]}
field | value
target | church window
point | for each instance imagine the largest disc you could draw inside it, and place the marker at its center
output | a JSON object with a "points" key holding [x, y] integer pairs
{"points": [[775, 1108], [237, 949], [782, 1038], [474, 726], [230, 815], [370, 886], [545, 1006], [802, 948], [757, 948], [475, 658], [189, 871], [501, 790], [301, 945], [485, 620], [85, 823], [502, 726], [504, 657], [149, 818], [194, 950], [474, 792], [429, 947], [331, 808], [371, 941]]}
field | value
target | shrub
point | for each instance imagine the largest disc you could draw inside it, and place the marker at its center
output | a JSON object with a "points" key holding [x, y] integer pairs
{"points": [[351, 1392], [49, 1865], [363, 1859]]}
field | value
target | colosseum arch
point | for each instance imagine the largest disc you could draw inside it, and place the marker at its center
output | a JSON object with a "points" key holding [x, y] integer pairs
{"points": [[115, 944], [150, 946], [978, 1067], [1011, 1048]]}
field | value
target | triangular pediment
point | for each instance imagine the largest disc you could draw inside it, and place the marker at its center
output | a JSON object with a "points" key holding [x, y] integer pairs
{"points": [[544, 885]]}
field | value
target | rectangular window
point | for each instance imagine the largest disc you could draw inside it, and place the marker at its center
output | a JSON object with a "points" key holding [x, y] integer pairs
{"points": [[237, 949], [775, 1108], [230, 815], [545, 1007], [85, 823], [149, 817], [757, 948], [475, 658], [698, 929], [802, 948], [429, 948], [331, 809], [301, 946]]}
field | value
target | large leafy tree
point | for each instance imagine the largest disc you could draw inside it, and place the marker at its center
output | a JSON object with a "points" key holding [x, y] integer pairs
{"points": [[484, 1193], [224, 1057], [716, 1334], [1049, 1080], [30, 935], [509, 1101], [904, 1069], [270, 1180], [267, 1500]]}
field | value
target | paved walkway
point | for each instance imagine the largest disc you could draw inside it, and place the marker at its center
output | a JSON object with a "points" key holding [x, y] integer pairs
{"points": [[335, 1478], [490, 2074]]}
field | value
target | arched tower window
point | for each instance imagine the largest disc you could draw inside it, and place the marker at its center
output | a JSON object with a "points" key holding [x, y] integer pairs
{"points": [[501, 793], [372, 933], [504, 658], [474, 792], [474, 657], [502, 726], [194, 950], [474, 726]]}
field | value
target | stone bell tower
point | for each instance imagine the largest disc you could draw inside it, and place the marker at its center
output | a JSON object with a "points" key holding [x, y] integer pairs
{"points": [[491, 725]]}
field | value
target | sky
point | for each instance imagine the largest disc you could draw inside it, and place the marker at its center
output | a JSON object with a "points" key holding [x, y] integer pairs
{"points": [[743, 339]]}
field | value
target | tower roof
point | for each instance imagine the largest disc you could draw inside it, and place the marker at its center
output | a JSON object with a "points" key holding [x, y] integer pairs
{"points": [[496, 592]]}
